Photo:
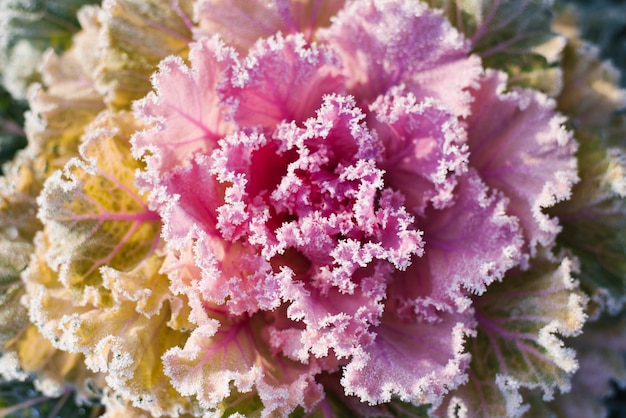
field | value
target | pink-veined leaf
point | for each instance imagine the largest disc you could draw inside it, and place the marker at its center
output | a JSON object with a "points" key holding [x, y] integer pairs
{"points": [[92, 211], [433, 65], [519, 146], [518, 345], [240, 23]]}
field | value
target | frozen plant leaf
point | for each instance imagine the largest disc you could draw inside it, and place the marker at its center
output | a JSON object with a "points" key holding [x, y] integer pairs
{"points": [[136, 35], [594, 226], [286, 77], [118, 341], [39, 346], [469, 245], [184, 110], [127, 347], [415, 361], [241, 23], [517, 343], [65, 103], [514, 36], [233, 354], [436, 66], [92, 211], [516, 135], [29, 27], [55, 370], [600, 350]]}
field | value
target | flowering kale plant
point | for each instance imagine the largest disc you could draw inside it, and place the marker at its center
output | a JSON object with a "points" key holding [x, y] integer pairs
{"points": [[311, 208]]}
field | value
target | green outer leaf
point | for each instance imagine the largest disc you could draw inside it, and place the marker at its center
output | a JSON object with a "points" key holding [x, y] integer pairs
{"points": [[29, 28], [514, 36], [516, 346], [594, 225]]}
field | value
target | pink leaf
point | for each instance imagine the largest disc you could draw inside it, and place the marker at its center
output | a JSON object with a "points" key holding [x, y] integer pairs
{"points": [[382, 44], [282, 79], [519, 146], [425, 148], [468, 246], [183, 111], [414, 361]]}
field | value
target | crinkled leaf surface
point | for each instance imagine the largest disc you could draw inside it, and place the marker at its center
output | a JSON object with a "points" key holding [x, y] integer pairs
{"points": [[124, 341], [65, 103], [184, 110], [29, 27], [516, 135], [37, 346], [594, 226], [93, 213], [517, 343], [128, 346], [436, 65], [600, 350], [136, 35], [221, 356], [242, 22], [514, 36]]}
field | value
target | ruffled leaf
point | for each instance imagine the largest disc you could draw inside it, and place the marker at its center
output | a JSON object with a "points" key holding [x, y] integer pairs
{"points": [[600, 350], [93, 214], [414, 361], [425, 149], [517, 343], [136, 35], [468, 246], [37, 346], [234, 354], [128, 347], [514, 36], [286, 78], [241, 23], [183, 113], [519, 146], [593, 221], [118, 341], [66, 103]]}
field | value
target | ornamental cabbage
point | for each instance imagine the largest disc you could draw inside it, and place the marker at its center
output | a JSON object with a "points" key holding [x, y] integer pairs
{"points": [[330, 208]]}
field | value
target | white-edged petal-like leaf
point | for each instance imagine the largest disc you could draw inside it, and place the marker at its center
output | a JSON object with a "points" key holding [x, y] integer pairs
{"points": [[518, 345], [92, 211]]}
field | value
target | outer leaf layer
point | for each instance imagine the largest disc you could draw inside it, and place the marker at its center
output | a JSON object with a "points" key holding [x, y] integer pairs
{"points": [[517, 344]]}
